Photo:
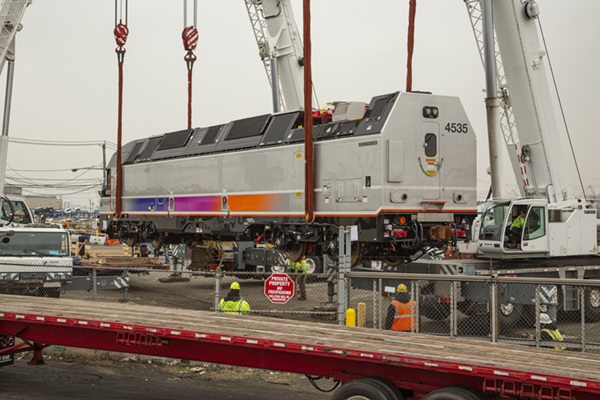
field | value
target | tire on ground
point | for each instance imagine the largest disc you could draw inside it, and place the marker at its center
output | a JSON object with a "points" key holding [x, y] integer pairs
{"points": [[453, 393], [368, 388]]}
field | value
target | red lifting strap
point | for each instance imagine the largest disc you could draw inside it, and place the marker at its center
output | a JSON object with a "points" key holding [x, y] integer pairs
{"points": [[190, 38]]}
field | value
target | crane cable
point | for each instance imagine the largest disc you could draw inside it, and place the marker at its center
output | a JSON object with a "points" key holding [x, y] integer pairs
{"points": [[190, 41], [410, 43], [121, 31]]}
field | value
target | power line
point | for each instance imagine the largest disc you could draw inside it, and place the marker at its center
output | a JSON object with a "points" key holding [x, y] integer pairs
{"points": [[93, 167], [62, 142]]}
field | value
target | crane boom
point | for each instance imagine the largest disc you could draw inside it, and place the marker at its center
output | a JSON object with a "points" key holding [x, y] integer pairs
{"points": [[11, 14], [280, 49], [508, 126], [526, 65]]}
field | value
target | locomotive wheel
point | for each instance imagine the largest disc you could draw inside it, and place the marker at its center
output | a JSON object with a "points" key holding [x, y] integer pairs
{"points": [[355, 257], [393, 262], [367, 389], [130, 241], [454, 393], [295, 251]]}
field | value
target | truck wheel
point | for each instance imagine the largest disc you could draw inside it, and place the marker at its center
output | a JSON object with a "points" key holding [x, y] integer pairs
{"points": [[435, 311], [592, 304], [454, 393], [510, 315], [366, 389], [315, 266]]}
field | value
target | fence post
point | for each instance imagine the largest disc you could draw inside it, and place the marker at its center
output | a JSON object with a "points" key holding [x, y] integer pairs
{"points": [[344, 254], [94, 284], [217, 288], [494, 311], [582, 306], [417, 296], [341, 266], [375, 308], [453, 308], [126, 287], [537, 315]]}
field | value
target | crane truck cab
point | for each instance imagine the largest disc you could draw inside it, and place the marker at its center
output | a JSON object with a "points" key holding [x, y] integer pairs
{"points": [[545, 230], [14, 210], [34, 261]]}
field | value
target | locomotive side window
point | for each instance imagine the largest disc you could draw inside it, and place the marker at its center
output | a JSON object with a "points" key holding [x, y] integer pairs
{"points": [[430, 145]]}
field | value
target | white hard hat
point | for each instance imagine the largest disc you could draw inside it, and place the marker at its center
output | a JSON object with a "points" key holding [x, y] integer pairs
{"points": [[545, 319]]}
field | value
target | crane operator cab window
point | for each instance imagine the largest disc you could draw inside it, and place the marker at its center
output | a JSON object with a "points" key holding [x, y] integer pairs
{"points": [[528, 223], [514, 227], [19, 213]]}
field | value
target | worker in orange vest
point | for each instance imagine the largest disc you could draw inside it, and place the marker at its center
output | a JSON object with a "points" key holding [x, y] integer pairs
{"points": [[400, 313]]}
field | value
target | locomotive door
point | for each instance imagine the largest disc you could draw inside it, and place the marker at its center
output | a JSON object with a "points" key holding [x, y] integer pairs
{"points": [[298, 185], [430, 161]]}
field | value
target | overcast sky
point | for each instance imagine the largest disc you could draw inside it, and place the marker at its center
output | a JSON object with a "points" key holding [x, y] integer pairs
{"points": [[65, 85]]}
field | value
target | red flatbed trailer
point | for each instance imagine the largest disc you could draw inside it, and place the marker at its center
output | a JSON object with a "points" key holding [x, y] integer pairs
{"points": [[417, 364]]}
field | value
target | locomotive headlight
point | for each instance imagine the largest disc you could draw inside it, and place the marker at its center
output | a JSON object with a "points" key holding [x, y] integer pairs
{"points": [[430, 112], [388, 227]]}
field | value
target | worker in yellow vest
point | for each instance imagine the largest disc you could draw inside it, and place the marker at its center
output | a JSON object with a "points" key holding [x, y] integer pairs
{"points": [[400, 313], [300, 268], [233, 303]]}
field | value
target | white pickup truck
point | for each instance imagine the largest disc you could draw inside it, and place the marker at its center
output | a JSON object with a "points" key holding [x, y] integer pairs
{"points": [[34, 261]]}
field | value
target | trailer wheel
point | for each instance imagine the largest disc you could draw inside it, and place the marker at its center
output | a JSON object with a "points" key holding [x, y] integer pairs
{"points": [[454, 393], [592, 304], [367, 389], [394, 389]]}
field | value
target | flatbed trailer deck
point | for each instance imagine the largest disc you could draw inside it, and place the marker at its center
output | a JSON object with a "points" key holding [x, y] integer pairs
{"points": [[416, 363]]}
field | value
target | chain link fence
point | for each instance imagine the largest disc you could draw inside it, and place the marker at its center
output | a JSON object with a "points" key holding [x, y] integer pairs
{"points": [[513, 310], [490, 309]]}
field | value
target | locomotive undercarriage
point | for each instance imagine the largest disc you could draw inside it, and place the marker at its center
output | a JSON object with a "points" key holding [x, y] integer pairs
{"points": [[388, 238]]}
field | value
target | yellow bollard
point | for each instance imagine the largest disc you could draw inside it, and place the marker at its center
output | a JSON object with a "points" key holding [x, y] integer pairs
{"points": [[362, 315], [350, 317]]}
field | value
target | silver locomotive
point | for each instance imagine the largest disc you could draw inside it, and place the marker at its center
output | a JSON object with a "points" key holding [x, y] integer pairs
{"points": [[402, 170]]}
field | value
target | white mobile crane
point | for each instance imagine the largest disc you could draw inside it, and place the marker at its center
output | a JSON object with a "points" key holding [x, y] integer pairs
{"points": [[556, 224], [558, 238]]}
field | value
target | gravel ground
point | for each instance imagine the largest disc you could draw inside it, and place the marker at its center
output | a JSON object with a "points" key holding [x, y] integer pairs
{"points": [[129, 377]]}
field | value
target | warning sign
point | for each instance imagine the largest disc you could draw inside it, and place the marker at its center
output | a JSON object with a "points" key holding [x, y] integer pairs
{"points": [[279, 288]]}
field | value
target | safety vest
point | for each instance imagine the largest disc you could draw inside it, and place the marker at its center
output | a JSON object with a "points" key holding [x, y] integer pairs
{"points": [[404, 316], [556, 336], [518, 222], [234, 307], [301, 266]]}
